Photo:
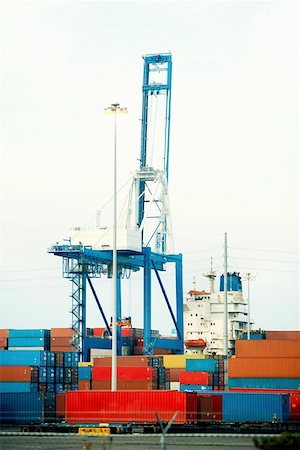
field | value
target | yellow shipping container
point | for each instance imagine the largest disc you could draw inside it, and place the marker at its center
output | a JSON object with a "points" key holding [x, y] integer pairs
{"points": [[178, 361], [84, 364]]}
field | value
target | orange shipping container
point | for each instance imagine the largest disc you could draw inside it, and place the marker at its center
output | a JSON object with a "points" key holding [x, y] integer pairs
{"points": [[84, 385], [287, 348], [283, 334], [175, 373], [264, 368], [15, 373], [60, 404], [62, 332], [4, 333], [69, 348], [61, 341], [3, 342]]}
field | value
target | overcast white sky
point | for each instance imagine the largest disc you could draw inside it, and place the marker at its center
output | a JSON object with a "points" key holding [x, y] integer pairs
{"points": [[233, 156]]}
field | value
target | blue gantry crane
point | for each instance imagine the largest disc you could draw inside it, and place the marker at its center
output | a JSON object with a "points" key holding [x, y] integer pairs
{"points": [[145, 243]]}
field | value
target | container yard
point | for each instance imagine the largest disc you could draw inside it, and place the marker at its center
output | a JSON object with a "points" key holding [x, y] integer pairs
{"points": [[141, 357]]}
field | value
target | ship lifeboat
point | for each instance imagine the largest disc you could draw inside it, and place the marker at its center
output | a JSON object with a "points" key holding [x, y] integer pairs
{"points": [[195, 343]]}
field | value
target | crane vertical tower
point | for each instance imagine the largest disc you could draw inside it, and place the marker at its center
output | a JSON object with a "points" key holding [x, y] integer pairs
{"points": [[145, 242]]}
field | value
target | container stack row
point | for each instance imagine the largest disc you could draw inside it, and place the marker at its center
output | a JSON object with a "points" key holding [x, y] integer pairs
{"points": [[35, 339], [38, 371], [61, 340], [273, 363]]}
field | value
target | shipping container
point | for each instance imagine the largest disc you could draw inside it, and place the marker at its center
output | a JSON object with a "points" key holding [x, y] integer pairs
{"points": [[265, 383], [28, 342], [174, 385], [21, 408], [62, 332], [196, 378], [84, 373], [195, 387], [124, 373], [3, 342], [127, 407], [255, 407], [61, 341], [18, 386], [68, 348], [122, 361], [125, 385], [4, 333], [179, 361], [16, 373], [20, 358], [84, 385], [201, 365], [209, 408], [60, 404], [287, 348], [294, 399], [264, 368], [283, 334], [41, 333], [175, 374]]}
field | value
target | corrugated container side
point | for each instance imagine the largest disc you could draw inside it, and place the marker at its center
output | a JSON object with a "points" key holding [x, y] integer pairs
{"points": [[264, 368], [61, 404], [20, 358], [195, 378], [18, 386], [255, 407], [124, 373], [265, 383], [283, 334], [288, 348], [125, 385], [175, 374], [4, 333], [28, 342], [62, 332], [201, 365], [126, 406], [195, 387], [39, 333], [57, 348], [179, 361], [84, 385], [3, 342], [209, 408], [84, 373], [61, 341], [20, 408], [16, 373], [122, 361]]}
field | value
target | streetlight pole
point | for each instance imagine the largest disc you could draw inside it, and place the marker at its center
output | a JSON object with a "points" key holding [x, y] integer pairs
{"points": [[115, 109], [225, 339]]}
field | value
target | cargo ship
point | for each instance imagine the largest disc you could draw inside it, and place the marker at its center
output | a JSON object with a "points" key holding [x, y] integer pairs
{"points": [[204, 316]]}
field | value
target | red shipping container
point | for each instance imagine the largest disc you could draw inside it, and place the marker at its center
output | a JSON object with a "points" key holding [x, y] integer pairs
{"points": [[99, 332], [136, 385], [4, 333], [209, 407], [264, 368], [15, 373], [204, 378], [122, 361], [127, 332], [129, 406], [61, 404], [123, 373]]}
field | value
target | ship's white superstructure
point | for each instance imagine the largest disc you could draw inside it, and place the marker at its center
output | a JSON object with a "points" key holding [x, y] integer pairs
{"points": [[204, 318]]}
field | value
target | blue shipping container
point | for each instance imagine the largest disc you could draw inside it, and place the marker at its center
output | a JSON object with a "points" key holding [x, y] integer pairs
{"points": [[28, 333], [74, 359], [59, 375], [201, 365], [42, 375], [15, 386], [50, 374], [21, 408], [85, 373], [194, 387], [264, 383], [28, 342], [20, 357], [255, 407], [254, 336], [67, 359]]}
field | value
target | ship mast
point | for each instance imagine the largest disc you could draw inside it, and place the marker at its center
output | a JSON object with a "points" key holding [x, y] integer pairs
{"points": [[211, 275]]}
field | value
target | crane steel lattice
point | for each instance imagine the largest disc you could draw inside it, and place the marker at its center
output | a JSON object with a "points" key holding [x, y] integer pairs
{"points": [[89, 253]]}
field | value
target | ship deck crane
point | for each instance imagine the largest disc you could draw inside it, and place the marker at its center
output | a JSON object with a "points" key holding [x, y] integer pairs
{"points": [[83, 260]]}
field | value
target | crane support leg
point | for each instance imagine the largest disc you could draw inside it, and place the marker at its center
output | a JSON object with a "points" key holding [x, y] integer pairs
{"points": [[147, 299]]}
